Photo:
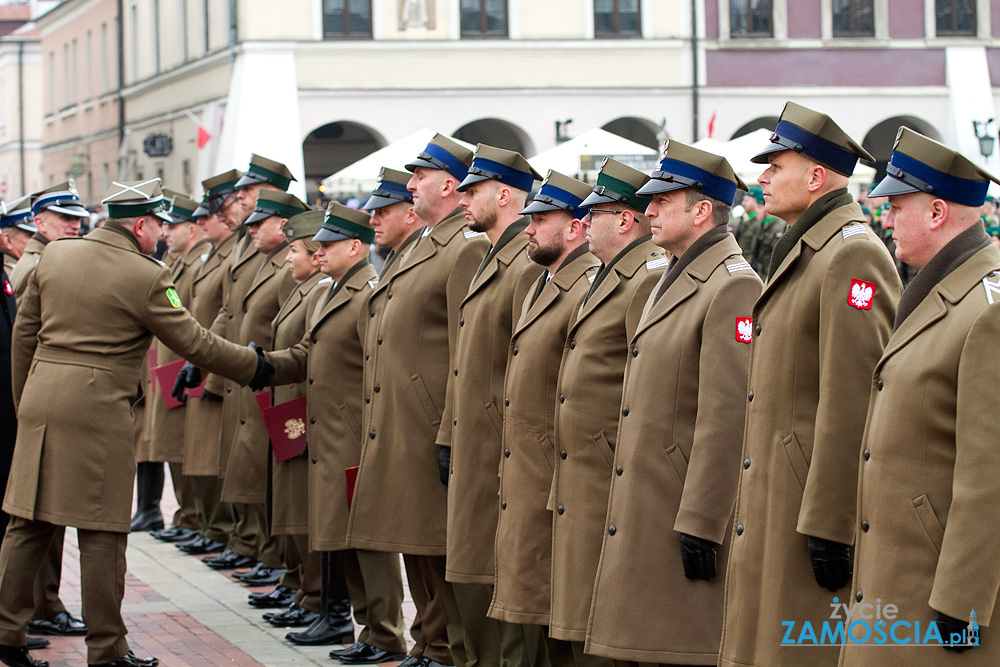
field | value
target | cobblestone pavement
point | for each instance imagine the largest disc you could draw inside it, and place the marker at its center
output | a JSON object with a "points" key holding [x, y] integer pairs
{"points": [[184, 613]]}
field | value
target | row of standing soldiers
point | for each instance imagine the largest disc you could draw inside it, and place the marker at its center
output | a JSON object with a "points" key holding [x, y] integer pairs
{"points": [[593, 433]]}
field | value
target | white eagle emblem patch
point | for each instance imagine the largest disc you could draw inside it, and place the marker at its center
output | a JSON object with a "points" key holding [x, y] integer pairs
{"points": [[744, 329], [861, 294], [295, 429]]}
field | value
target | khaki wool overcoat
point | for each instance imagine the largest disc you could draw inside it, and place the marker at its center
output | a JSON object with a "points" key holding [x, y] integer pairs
{"points": [[929, 488], [472, 423], [26, 264], [166, 427], [523, 544], [811, 360], [9, 262], [402, 504], [290, 478], [247, 474], [80, 339], [329, 359], [240, 273], [203, 418], [586, 426], [675, 465]]}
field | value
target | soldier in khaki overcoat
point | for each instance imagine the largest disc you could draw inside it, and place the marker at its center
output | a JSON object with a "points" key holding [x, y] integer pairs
{"points": [[472, 423], [929, 486], [246, 478], [203, 418], [289, 494], [397, 227], [85, 323], [523, 544], [329, 358], [408, 514], [658, 593], [819, 327], [166, 427], [589, 394]]}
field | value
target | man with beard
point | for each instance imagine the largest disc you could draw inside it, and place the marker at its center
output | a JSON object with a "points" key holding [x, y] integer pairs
{"points": [[523, 551], [471, 428], [590, 390]]}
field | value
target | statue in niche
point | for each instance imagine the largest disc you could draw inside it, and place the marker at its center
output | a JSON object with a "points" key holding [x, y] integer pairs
{"points": [[416, 14]]}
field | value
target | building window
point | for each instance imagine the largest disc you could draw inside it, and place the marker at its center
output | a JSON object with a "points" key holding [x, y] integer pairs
{"points": [[90, 65], [750, 18], [484, 18], [853, 18], [347, 18], [106, 77], [956, 17], [52, 81], [616, 18]]}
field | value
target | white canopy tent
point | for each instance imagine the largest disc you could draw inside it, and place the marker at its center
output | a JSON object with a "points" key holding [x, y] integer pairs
{"points": [[361, 177], [581, 157]]}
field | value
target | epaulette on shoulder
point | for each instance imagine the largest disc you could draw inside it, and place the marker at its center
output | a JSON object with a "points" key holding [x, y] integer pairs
{"points": [[854, 229], [657, 263], [736, 263]]}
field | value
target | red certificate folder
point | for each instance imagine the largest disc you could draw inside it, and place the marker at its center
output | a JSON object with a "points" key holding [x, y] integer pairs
{"points": [[166, 375], [286, 424], [351, 474]]}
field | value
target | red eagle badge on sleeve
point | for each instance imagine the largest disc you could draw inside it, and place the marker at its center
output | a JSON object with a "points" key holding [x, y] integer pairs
{"points": [[744, 329], [7, 288], [861, 294]]}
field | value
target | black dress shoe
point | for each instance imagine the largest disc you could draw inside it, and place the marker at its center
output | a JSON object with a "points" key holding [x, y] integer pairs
{"points": [[174, 534], [252, 572], [36, 643], [279, 598], [201, 545], [61, 625], [293, 617], [322, 633], [227, 560], [412, 661], [266, 576], [130, 660], [369, 655], [150, 519], [18, 656], [338, 653]]}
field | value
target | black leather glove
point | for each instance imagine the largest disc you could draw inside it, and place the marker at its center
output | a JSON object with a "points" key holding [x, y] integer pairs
{"points": [[699, 557], [444, 463], [188, 377], [262, 377], [206, 395], [948, 626], [831, 562]]}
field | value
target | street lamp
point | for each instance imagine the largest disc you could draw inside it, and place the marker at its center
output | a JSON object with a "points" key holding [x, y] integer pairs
{"points": [[986, 140]]}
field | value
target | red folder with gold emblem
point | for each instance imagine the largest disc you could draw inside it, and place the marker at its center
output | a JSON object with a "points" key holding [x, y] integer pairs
{"points": [[166, 375], [286, 424], [352, 477]]}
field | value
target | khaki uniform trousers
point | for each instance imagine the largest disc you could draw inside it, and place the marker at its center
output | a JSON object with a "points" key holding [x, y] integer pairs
{"points": [[437, 626], [215, 518], [570, 654], [375, 586], [102, 582], [186, 516]]}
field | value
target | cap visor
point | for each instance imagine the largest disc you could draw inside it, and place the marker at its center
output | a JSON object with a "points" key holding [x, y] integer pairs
{"points": [[539, 207], [655, 186], [593, 199], [164, 216], [892, 186], [377, 201], [27, 227], [248, 179], [78, 211], [177, 219], [327, 234], [761, 157], [412, 166], [471, 179], [201, 211], [257, 216]]}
